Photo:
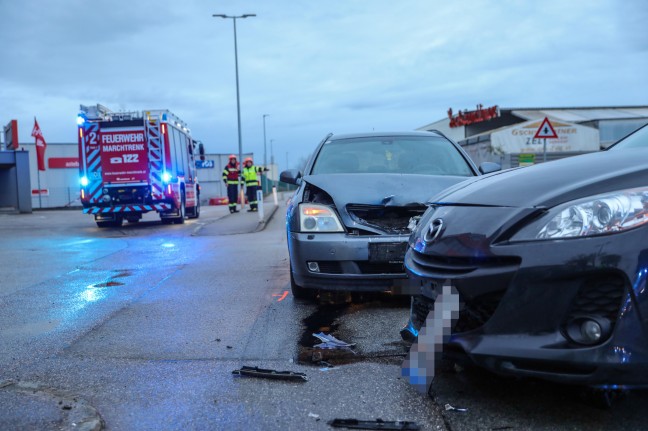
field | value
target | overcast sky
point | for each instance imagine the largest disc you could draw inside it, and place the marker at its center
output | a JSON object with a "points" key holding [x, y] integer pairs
{"points": [[314, 66]]}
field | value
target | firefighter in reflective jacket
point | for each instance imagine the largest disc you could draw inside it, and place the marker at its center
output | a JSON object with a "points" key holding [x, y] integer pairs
{"points": [[251, 182], [231, 178]]}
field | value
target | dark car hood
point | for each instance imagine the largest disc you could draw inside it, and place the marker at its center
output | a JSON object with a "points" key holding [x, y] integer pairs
{"points": [[382, 189], [548, 184]]}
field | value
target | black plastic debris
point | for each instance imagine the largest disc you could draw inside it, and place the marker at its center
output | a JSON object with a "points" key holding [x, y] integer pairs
{"points": [[378, 424], [270, 374]]}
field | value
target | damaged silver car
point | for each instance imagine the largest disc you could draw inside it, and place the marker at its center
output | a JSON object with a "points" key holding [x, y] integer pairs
{"points": [[349, 221]]}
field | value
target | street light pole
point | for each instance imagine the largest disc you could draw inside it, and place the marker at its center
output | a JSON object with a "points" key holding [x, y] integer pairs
{"points": [[238, 99], [265, 158]]}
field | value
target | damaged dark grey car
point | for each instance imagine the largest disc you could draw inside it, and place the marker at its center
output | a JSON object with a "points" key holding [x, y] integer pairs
{"points": [[349, 221]]}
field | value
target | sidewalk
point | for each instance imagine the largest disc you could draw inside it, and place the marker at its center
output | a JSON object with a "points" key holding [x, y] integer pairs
{"points": [[219, 221]]}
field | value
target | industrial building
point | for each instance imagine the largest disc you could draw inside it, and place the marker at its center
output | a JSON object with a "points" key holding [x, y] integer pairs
{"points": [[506, 135]]}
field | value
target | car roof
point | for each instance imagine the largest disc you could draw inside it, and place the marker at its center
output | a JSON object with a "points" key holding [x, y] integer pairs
{"points": [[385, 134]]}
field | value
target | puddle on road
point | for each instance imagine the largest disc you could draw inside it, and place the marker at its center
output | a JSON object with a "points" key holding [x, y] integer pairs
{"points": [[326, 319]]}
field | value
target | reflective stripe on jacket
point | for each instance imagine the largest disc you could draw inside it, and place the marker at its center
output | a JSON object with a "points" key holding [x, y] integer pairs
{"points": [[231, 174]]}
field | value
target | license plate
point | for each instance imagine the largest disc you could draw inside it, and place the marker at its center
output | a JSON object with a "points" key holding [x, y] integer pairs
{"points": [[392, 252]]}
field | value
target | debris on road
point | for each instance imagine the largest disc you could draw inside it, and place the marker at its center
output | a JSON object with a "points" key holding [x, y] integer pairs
{"points": [[330, 342], [313, 415], [378, 424], [449, 407], [270, 374]]}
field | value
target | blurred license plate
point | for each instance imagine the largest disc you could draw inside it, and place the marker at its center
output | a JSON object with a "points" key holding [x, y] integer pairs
{"points": [[393, 252]]}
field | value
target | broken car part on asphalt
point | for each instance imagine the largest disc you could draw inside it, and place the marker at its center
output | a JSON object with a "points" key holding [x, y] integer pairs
{"points": [[378, 424], [330, 342], [270, 374]]}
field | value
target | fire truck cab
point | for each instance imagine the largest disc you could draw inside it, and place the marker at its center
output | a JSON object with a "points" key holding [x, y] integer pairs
{"points": [[135, 162]]}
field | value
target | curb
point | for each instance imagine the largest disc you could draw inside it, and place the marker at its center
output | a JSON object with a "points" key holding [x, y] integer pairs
{"points": [[263, 223]]}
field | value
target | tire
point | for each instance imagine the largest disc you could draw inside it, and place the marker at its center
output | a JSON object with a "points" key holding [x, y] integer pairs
{"points": [[183, 211], [196, 211], [111, 223], [300, 292]]}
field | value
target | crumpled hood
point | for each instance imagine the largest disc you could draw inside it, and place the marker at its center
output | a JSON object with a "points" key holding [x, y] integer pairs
{"points": [[548, 184], [382, 189]]}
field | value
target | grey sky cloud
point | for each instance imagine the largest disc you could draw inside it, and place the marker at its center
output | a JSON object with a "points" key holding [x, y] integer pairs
{"points": [[315, 67]]}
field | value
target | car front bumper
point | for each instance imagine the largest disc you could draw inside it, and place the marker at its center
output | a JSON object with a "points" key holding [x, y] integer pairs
{"points": [[341, 262], [515, 310]]}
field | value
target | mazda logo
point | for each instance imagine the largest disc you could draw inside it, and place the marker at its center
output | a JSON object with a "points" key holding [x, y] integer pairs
{"points": [[434, 231]]}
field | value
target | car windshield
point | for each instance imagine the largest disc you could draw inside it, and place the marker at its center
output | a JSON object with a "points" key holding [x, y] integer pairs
{"points": [[638, 139], [391, 155]]}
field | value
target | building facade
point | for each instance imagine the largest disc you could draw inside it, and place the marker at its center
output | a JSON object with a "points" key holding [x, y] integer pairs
{"points": [[507, 135]]}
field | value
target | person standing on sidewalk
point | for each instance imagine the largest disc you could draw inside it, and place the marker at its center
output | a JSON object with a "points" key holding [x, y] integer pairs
{"points": [[251, 182], [231, 178]]}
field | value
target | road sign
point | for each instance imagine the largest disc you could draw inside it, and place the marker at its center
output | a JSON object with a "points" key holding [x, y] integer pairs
{"points": [[205, 164], [546, 130]]}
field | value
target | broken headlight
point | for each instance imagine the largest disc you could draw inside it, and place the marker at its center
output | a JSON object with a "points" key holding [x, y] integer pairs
{"points": [[594, 215], [318, 218]]}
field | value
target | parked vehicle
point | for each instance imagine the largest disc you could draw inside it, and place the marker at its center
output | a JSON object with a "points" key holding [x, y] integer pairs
{"points": [[550, 263], [349, 220], [132, 163]]}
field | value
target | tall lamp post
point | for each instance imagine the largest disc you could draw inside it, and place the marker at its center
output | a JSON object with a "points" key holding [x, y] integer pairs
{"points": [[265, 157], [238, 99]]}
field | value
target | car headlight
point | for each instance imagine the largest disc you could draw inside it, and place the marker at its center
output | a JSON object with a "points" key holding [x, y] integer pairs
{"points": [[594, 215], [318, 218]]}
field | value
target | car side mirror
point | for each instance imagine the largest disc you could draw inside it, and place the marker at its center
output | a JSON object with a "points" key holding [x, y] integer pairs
{"points": [[291, 176], [489, 167]]}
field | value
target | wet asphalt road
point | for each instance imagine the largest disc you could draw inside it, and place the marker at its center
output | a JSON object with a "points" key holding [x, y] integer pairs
{"points": [[140, 328]]}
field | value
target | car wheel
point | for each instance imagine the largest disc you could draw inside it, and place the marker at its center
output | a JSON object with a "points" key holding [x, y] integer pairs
{"points": [[298, 291]]}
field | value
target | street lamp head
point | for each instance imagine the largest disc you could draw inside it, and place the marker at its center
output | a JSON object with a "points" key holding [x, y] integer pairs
{"points": [[220, 15]]}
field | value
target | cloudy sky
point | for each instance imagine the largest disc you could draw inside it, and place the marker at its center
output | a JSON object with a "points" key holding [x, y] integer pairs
{"points": [[314, 66]]}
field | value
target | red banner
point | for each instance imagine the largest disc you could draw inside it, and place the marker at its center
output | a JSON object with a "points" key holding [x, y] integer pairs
{"points": [[41, 145]]}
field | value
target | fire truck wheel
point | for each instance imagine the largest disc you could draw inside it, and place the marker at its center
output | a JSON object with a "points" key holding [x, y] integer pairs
{"points": [[111, 223], [183, 211], [195, 213]]}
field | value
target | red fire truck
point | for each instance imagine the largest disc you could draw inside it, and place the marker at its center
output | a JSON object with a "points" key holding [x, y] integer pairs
{"points": [[131, 163]]}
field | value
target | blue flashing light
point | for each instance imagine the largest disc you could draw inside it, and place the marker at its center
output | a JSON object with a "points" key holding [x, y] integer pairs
{"points": [[84, 181], [80, 119], [166, 177]]}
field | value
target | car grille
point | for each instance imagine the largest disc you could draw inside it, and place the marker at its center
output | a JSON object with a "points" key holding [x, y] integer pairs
{"points": [[330, 267], [599, 296], [475, 313], [452, 265], [388, 219]]}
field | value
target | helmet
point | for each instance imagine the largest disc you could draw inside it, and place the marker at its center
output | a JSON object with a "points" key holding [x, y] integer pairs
{"points": [[232, 156], [248, 159]]}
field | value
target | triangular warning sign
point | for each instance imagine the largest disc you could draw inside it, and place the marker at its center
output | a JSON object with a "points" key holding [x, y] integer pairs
{"points": [[546, 130]]}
